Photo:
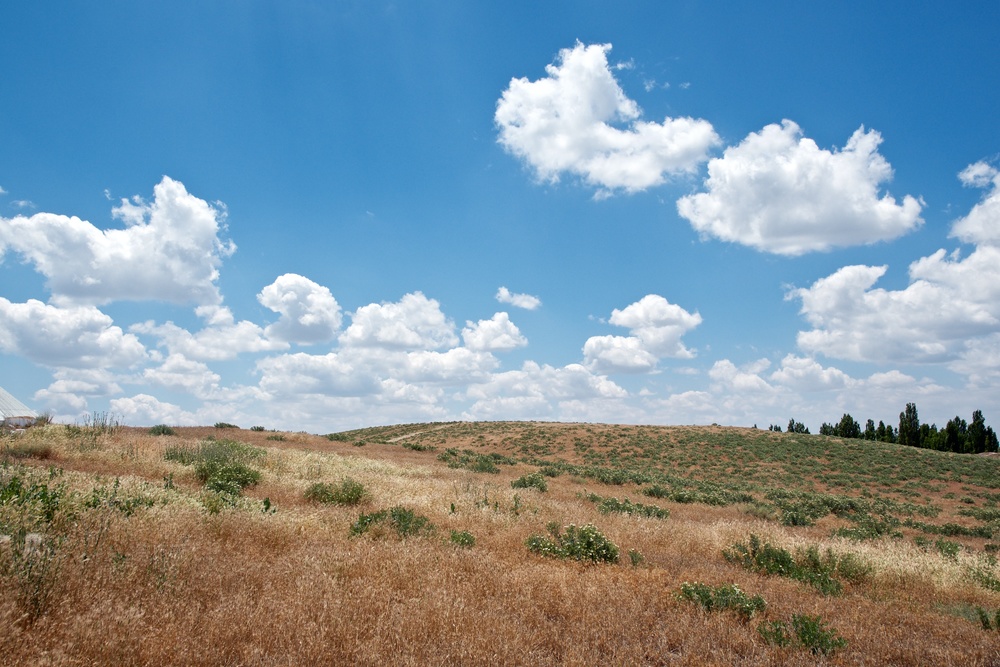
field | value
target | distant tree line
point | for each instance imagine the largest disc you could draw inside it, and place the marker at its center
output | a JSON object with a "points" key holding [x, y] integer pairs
{"points": [[958, 436]]}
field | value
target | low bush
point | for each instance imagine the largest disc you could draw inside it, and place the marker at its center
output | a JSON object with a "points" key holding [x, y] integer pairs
{"points": [[463, 538], [584, 543], [533, 480], [162, 429], [808, 565], [613, 505], [225, 425], [221, 465], [347, 492], [400, 520], [813, 634], [722, 597]]}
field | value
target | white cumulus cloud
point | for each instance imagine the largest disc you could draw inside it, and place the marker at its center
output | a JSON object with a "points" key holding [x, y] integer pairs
{"points": [[169, 250], [414, 322], [568, 122], [656, 327], [495, 334], [70, 337], [221, 338], [778, 192], [982, 224], [309, 313], [525, 301]]}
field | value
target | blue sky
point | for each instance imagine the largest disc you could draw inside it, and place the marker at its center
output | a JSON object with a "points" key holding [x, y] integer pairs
{"points": [[319, 216]]}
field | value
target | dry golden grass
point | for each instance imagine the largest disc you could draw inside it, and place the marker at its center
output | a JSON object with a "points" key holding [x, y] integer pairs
{"points": [[175, 584]]}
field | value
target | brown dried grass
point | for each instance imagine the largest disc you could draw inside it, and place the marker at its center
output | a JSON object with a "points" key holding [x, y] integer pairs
{"points": [[175, 585]]}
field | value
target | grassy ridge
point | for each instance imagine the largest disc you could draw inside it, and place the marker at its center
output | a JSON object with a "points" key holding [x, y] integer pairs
{"points": [[571, 543]]}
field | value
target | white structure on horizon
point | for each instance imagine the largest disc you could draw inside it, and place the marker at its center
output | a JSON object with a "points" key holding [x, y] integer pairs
{"points": [[14, 413]]}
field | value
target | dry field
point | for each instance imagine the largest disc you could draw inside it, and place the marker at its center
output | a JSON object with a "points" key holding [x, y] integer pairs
{"points": [[119, 553]]}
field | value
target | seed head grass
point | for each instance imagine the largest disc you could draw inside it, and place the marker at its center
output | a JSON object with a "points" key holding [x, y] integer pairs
{"points": [[140, 570]]}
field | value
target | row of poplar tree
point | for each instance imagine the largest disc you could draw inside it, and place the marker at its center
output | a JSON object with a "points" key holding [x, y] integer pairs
{"points": [[958, 435]]}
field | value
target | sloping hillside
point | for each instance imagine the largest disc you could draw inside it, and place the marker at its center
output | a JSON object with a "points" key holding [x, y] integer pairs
{"points": [[493, 543]]}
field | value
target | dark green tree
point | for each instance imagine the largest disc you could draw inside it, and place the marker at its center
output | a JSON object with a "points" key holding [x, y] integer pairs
{"points": [[909, 426], [870, 432], [848, 427]]}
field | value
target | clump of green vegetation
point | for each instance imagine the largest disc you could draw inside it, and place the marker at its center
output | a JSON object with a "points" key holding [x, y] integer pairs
{"points": [[223, 466], [337, 437], [989, 622], [533, 480], [278, 437], [722, 597], [576, 543], [613, 505], [810, 633], [417, 447], [225, 425], [463, 538], [347, 492], [474, 461], [258, 429], [114, 498], [808, 566], [162, 429], [401, 520]]}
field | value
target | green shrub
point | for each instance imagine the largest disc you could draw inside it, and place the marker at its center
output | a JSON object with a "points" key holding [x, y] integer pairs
{"points": [[813, 635], [347, 492], [221, 465], [225, 425], [577, 543], [277, 437], [635, 558], [809, 633], [948, 549], [463, 538], [257, 428], [613, 505], [404, 522], [808, 566], [417, 447], [775, 633], [533, 480], [722, 597], [162, 429]]}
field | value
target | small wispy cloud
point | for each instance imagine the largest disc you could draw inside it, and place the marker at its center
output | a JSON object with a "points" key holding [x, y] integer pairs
{"points": [[23, 203], [526, 301], [2, 191]]}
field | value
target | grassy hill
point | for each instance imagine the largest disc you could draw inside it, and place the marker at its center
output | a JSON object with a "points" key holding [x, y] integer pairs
{"points": [[493, 543]]}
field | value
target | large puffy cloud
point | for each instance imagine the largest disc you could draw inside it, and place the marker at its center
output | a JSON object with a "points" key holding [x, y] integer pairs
{"points": [[170, 250], [540, 391], [72, 387], [806, 374], [777, 191], [147, 409], [565, 123], [413, 323], [301, 374], [656, 328], [221, 338], [309, 313], [949, 312], [495, 334], [72, 337], [949, 302], [181, 374]]}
